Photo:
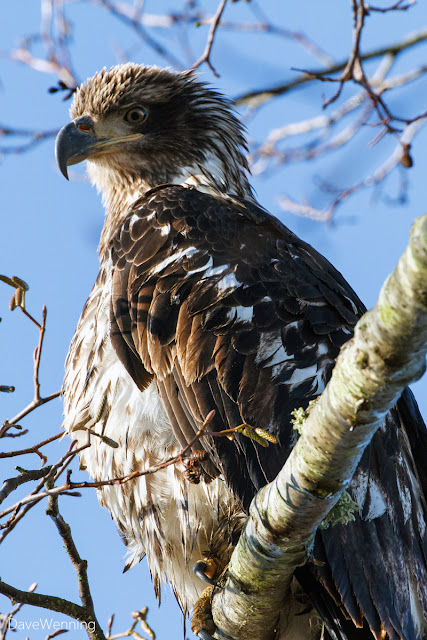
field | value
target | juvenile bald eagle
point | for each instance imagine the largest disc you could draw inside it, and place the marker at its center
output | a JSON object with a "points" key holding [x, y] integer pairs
{"points": [[205, 301]]}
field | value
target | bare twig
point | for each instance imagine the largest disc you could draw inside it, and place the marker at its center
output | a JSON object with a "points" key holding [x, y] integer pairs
{"points": [[80, 566], [205, 57], [50, 66], [268, 26], [17, 516], [5, 428], [34, 139], [31, 406], [25, 476], [5, 620], [400, 155], [18, 301], [6, 388], [55, 603], [397, 6], [85, 613], [261, 96], [139, 617], [69, 487], [34, 449], [37, 356], [26, 503], [133, 19], [56, 633]]}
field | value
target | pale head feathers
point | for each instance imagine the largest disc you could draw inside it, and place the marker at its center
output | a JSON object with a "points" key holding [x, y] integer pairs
{"points": [[109, 90], [191, 135]]}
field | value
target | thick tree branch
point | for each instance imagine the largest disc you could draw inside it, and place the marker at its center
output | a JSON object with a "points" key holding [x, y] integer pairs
{"points": [[386, 354]]}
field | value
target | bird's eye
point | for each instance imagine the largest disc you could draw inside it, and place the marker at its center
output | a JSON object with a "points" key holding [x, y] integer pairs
{"points": [[136, 115]]}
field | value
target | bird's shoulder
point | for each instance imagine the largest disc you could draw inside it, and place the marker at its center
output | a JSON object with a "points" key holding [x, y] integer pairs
{"points": [[174, 226], [218, 294]]}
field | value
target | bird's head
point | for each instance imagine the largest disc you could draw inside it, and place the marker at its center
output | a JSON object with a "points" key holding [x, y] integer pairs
{"points": [[139, 127]]}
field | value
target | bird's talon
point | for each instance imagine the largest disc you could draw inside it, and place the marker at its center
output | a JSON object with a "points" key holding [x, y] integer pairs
{"points": [[200, 568], [204, 635]]}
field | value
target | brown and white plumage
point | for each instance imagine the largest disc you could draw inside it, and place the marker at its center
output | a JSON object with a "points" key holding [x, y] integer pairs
{"points": [[205, 301]]}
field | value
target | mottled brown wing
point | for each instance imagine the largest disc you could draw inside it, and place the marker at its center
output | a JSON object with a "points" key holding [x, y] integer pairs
{"points": [[240, 314], [231, 311]]}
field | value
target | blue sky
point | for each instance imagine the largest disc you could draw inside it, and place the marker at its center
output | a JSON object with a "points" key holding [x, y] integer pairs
{"points": [[50, 229]]}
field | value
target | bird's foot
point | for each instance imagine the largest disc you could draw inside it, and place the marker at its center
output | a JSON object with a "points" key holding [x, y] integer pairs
{"points": [[202, 624]]}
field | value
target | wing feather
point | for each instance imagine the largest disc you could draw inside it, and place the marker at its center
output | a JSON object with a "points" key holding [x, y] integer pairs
{"points": [[231, 311]]}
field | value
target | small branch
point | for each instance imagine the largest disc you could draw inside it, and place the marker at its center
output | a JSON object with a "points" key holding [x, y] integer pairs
{"points": [[30, 407], [397, 6], [80, 566], [5, 428], [37, 356], [54, 603], [69, 487], [132, 18], [25, 476], [400, 155], [84, 613], [34, 449], [15, 519], [326, 121], [261, 96], [52, 66], [139, 616], [55, 634], [268, 26], [205, 57], [18, 300], [6, 388], [56, 470], [34, 139], [4, 628], [305, 210]]}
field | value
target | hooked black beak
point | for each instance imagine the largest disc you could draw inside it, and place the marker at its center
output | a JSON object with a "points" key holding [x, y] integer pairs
{"points": [[77, 141], [74, 143]]}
